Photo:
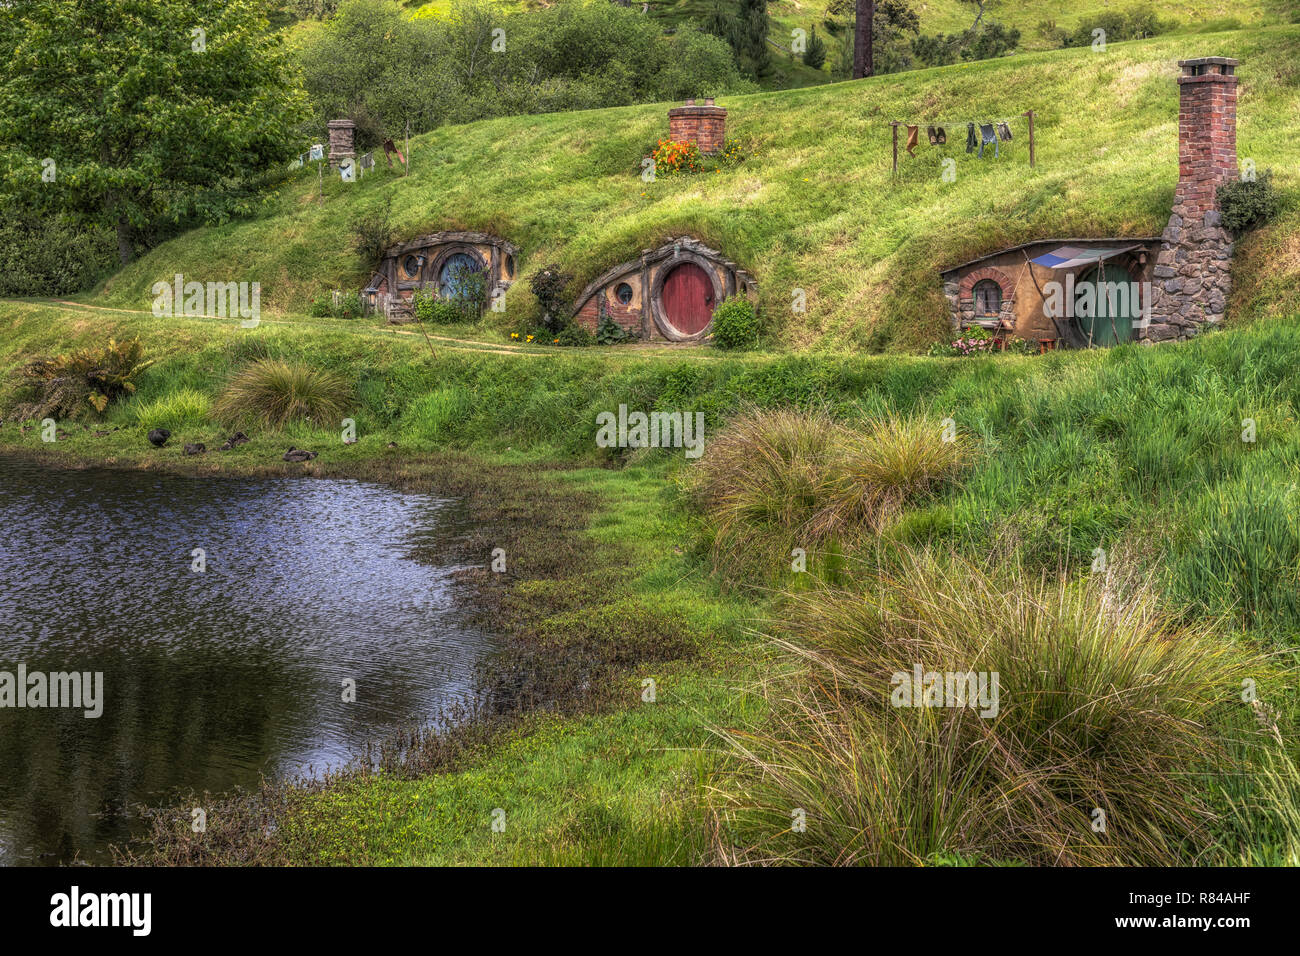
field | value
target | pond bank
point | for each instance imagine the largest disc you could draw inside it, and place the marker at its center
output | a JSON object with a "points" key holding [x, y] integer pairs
{"points": [[597, 597]]}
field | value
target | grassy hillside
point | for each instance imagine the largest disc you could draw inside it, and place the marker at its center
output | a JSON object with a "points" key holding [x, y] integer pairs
{"points": [[814, 207]]}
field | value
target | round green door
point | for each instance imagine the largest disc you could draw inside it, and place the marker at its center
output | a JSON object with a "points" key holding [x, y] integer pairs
{"points": [[1106, 305]]}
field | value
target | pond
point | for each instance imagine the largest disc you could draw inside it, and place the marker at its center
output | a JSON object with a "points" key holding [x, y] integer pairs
{"points": [[228, 618]]}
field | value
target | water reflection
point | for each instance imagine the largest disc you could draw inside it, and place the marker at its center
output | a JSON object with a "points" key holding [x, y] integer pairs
{"points": [[211, 678]]}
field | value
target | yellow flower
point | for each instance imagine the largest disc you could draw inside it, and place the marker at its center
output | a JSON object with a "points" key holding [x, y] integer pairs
{"points": [[530, 338]]}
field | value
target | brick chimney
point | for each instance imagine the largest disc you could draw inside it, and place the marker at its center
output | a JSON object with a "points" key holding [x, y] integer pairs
{"points": [[1191, 279], [343, 140], [703, 124]]}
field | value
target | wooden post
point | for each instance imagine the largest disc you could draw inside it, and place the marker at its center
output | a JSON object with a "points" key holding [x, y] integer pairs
{"points": [[1030, 114], [895, 126]]}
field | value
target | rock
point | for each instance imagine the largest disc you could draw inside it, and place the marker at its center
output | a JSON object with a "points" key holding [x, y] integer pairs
{"points": [[1164, 272], [198, 448], [158, 437], [299, 454]]}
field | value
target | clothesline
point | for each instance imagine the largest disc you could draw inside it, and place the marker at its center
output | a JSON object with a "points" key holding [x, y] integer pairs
{"points": [[948, 124]]}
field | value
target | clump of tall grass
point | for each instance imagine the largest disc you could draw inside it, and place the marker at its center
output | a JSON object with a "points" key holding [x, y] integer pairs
{"points": [[1239, 554], [1106, 707], [776, 480], [273, 393], [176, 410]]}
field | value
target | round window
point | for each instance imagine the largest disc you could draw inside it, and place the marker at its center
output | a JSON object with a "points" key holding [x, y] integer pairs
{"points": [[510, 267], [623, 293], [411, 266]]}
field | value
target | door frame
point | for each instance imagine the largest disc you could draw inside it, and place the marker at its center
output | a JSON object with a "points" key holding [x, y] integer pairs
{"points": [[681, 257]]}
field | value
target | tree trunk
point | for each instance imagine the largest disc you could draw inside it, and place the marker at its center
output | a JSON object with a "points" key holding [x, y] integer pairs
{"points": [[125, 248], [862, 32]]}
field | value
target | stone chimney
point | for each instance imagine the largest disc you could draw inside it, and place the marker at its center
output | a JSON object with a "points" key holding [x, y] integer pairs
{"points": [[703, 124], [1192, 277], [343, 140]]}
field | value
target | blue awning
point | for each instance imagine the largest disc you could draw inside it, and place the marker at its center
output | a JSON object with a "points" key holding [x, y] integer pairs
{"points": [[1072, 257]]}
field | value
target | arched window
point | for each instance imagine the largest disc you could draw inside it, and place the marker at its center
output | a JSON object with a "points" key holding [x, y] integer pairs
{"points": [[623, 293], [988, 297]]}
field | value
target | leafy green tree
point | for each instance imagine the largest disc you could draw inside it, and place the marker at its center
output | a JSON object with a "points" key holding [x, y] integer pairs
{"points": [[136, 114]]}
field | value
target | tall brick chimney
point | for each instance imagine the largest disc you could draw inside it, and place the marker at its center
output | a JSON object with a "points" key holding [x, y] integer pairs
{"points": [[1192, 272], [703, 124], [343, 138]]}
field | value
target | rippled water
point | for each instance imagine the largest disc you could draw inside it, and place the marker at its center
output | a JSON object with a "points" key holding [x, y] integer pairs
{"points": [[211, 678]]}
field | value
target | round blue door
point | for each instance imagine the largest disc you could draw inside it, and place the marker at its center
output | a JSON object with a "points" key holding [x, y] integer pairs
{"points": [[453, 278]]}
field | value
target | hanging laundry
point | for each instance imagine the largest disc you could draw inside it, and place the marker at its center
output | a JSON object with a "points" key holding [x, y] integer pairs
{"points": [[912, 133], [970, 137], [987, 135], [934, 136], [943, 136], [1004, 132]]}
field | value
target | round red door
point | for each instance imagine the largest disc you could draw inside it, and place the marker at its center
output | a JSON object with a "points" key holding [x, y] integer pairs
{"points": [[688, 299]]}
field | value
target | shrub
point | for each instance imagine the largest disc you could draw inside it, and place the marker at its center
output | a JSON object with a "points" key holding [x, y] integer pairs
{"points": [[446, 313], [181, 408], [321, 307], [273, 393], [48, 255], [70, 383], [575, 335], [551, 288], [1103, 702], [349, 306], [373, 232], [675, 159], [422, 305], [735, 324], [814, 55], [609, 332], [1248, 203]]}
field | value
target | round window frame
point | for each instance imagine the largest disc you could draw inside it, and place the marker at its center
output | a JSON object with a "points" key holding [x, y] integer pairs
{"points": [[408, 274], [617, 293]]}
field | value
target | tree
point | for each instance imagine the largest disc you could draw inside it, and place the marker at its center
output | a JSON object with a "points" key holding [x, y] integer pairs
{"points": [[863, 32], [132, 114], [815, 54]]}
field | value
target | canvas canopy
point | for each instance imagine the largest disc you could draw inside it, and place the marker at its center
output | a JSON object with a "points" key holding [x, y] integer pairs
{"points": [[1072, 257]]}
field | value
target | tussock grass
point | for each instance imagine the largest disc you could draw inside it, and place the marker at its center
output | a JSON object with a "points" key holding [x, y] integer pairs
{"points": [[1105, 702], [273, 393], [774, 480]]}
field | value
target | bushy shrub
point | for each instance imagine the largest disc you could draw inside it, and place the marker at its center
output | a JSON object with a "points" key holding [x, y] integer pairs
{"points": [[45, 256], [350, 305], [76, 382], [321, 307], [551, 287], [445, 312], [1102, 702], [609, 332], [373, 232], [735, 324], [575, 336], [422, 305], [1248, 203], [675, 159], [274, 393]]}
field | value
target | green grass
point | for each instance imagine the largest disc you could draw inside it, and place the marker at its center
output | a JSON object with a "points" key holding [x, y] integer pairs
{"points": [[815, 207]]}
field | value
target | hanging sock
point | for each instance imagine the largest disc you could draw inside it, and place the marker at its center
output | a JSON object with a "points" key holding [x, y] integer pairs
{"points": [[970, 137], [912, 133], [987, 135], [934, 137], [943, 137], [1004, 132]]}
